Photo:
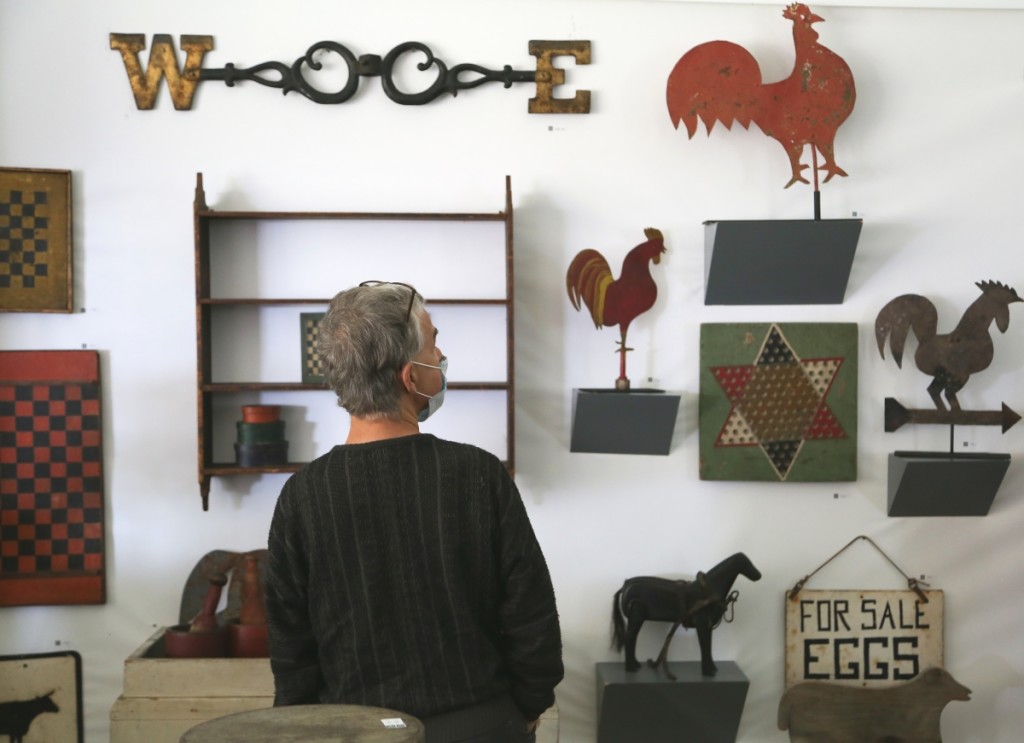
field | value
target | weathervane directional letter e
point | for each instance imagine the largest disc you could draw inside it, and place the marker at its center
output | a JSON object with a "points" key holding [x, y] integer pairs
{"points": [[548, 76], [162, 63]]}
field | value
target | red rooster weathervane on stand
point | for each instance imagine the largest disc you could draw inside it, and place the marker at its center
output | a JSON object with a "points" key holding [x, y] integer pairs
{"points": [[721, 81], [616, 301], [788, 261]]}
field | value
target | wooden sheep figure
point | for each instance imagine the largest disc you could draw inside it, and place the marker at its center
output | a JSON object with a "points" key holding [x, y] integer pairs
{"points": [[818, 712], [17, 717]]}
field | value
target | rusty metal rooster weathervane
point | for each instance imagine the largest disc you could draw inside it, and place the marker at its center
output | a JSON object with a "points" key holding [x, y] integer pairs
{"points": [[616, 301], [721, 82], [949, 358]]}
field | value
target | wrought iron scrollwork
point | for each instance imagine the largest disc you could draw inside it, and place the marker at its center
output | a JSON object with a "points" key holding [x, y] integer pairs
{"points": [[182, 83], [288, 78]]}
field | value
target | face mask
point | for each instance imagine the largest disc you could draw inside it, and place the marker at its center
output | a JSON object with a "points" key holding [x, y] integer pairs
{"points": [[436, 401]]}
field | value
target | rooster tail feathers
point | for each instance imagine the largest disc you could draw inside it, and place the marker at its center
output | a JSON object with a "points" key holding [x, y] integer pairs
{"points": [[716, 81], [903, 314], [587, 280], [598, 288]]}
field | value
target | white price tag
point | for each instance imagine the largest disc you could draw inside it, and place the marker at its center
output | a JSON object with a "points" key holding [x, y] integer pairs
{"points": [[393, 722]]}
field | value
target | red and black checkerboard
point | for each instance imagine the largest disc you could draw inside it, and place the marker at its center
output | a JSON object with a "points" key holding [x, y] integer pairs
{"points": [[51, 487]]}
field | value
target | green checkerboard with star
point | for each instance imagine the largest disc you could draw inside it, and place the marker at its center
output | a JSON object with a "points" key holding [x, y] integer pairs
{"points": [[778, 401]]}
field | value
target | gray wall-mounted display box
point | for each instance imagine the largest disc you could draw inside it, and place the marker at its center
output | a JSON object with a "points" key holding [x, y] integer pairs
{"points": [[793, 261], [608, 421], [647, 706], [943, 484]]}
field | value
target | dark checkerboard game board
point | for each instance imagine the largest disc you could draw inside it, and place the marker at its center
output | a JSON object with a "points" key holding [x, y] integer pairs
{"points": [[24, 226], [312, 368], [36, 254], [51, 488]]}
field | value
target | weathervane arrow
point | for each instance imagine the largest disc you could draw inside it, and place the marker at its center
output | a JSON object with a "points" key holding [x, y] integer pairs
{"points": [[897, 415]]}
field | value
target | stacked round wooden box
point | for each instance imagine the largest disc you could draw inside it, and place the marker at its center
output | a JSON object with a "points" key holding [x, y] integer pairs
{"points": [[260, 440]]}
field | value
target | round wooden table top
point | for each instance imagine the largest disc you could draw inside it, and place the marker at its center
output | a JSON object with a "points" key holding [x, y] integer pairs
{"points": [[313, 723]]}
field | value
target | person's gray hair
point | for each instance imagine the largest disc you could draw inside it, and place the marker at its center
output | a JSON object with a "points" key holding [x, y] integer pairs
{"points": [[365, 339]]}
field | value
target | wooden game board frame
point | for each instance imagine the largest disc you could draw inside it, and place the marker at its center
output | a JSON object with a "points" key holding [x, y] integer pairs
{"points": [[308, 377], [47, 511], [54, 293], [822, 456]]}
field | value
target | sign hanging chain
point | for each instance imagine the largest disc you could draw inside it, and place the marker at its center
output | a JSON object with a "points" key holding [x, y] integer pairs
{"points": [[913, 583]]}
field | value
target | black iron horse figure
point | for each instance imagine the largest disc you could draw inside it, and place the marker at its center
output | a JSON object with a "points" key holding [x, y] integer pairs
{"points": [[700, 603]]}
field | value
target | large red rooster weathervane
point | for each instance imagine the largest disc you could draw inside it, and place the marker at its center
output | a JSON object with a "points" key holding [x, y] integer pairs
{"points": [[721, 81], [616, 301], [950, 358]]}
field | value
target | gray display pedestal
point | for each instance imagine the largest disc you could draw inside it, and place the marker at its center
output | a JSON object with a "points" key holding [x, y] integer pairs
{"points": [[785, 261], [645, 706], [943, 484], [606, 421]]}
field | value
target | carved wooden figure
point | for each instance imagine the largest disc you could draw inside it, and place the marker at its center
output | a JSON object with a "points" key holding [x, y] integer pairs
{"points": [[818, 712], [721, 81], [616, 301], [700, 604]]}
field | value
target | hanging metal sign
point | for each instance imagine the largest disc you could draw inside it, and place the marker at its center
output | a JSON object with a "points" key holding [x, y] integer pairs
{"points": [[182, 83], [863, 638]]}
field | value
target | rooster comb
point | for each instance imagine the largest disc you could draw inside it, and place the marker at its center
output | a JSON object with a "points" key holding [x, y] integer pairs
{"points": [[653, 234], [986, 286]]}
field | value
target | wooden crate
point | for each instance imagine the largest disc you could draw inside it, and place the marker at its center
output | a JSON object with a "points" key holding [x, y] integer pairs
{"points": [[548, 730], [163, 697]]}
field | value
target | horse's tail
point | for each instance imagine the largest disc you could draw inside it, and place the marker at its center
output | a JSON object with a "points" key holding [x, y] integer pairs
{"points": [[618, 625], [896, 319]]}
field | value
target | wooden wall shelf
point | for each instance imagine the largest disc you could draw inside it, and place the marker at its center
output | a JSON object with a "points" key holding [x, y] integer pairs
{"points": [[207, 303]]}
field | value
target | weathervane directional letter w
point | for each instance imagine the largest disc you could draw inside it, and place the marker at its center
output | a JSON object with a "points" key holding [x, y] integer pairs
{"points": [[163, 62]]}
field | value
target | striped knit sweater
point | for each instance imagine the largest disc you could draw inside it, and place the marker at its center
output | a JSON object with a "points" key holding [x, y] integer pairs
{"points": [[405, 574]]}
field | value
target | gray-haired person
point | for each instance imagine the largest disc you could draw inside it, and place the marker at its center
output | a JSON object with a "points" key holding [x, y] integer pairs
{"points": [[403, 570]]}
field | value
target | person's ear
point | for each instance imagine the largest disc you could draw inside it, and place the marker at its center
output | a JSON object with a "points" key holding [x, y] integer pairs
{"points": [[408, 376]]}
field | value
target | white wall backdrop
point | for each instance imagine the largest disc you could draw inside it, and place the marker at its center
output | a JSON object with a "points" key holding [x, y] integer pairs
{"points": [[934, 150]]}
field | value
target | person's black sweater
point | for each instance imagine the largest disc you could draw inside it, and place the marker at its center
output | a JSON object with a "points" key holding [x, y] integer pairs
{"points": [[405, 574]]}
